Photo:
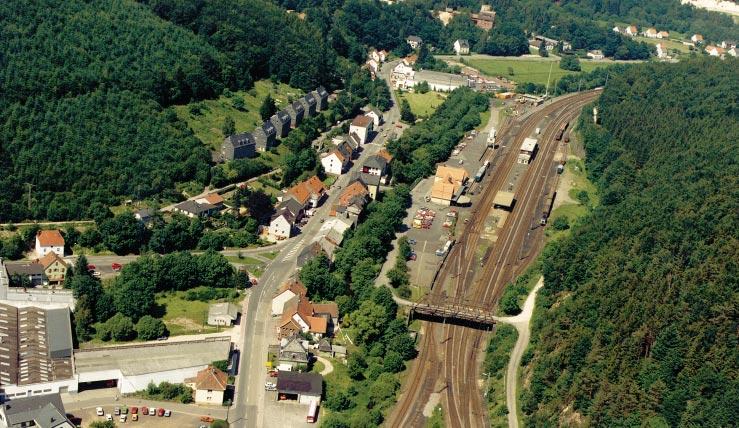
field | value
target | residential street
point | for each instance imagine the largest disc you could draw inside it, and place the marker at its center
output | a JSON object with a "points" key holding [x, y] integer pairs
{"points": [[248, 407]]}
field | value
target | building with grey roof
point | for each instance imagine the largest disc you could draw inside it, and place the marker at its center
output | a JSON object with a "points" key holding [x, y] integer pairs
{"points": [[321, 97], [281, 122], [296, 112], [238, 146], [224, 313], [45, 411], [35, 351], [264, 136], [304, 387], [25, 274], [194, 209], [309, 104]]}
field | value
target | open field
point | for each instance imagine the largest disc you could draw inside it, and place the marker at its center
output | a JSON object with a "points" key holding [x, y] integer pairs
{"points": [[208, 122], [183, 316], [423, 105], [670, 44], [527, 70]]}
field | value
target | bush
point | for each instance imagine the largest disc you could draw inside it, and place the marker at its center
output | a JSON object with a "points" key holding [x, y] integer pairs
{"points": [[561, 223], [119, 327], [150, 328], [205, 294]]}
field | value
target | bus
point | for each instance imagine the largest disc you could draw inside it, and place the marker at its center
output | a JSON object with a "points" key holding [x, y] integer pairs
{"points": [[312, 413]]}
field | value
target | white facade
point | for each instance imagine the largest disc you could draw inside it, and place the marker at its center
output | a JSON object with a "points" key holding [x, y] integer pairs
{"points": [[373, 66], [661, 51], [42, 250], [23, 391], [402, 76], [332, 164], [596, 55], [461, 47], [696, 38], [375, 118], [208, 396], [361, 131], [280, 228], [278, 303], [133, 383], [308, 399]]}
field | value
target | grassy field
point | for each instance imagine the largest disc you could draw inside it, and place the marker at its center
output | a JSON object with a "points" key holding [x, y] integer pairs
{"points": [[526, 70], [670, 44], [183, 316], [252, 265], [423, 105], [207, 124], [574, 181]]}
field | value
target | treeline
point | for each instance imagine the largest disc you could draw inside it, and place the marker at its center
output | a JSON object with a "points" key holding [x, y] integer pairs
{"points": [[662, 14], [127, 307], [370, 314], [258, 40], [637, 322], [421, 147]]}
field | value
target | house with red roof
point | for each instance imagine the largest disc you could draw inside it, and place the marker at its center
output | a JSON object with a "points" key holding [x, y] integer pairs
{"points": [[49, 241]]}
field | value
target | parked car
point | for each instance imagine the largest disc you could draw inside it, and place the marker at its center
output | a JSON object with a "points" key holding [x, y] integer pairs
{"points": [[135, 417], [91, 267], [206, 419], [123, 418], [116, 267], [96, 274], [134, 410], [167, 413], [160, 412], [145, 410], [109, 417], [412, 241], [117, 411], [99, 411], [124, 410], [412, 257]]}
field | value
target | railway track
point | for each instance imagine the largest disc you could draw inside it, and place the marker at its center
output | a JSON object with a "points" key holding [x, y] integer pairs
{"points": [[455, 357]]}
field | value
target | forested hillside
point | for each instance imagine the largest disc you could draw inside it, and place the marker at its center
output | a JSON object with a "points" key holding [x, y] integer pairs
{"points": [[258, 39], [637, 324], [82, 85]]}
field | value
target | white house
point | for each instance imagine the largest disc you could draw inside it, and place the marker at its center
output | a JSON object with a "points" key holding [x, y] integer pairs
{"points": [[49, 241], [461, 47], [281, 226], [362, 126], [595, 54], [208, 386], [631, 30], [414, 42], [714, 50], [334, 162], [224, 314], [376, 117], [663, 35], [373, 66], [402, 76], [616, 29], [732, 51], [286, 292], [661, 50], [696, 38], [651, 33]]}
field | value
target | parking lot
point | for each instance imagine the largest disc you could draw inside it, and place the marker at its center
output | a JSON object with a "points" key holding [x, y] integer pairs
{"points": [[177, 419], [287, 413]]}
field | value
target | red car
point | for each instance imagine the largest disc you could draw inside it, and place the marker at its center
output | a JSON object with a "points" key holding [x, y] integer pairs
{"points": [[412, 256], [134, 410], [145, 411], [160, 412], [116, 267], [91, 267]]}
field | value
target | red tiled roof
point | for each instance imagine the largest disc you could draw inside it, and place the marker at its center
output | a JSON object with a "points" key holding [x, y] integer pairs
{"points": [[362, 121], [211, 378], [330, 308], [49, 259], [50, 238], [295, 286]]}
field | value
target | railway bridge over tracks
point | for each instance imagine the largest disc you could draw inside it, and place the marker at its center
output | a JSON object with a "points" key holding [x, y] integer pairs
{"points": [[453, 312]]}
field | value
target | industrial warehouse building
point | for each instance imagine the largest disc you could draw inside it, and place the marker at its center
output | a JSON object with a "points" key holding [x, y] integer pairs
{"points": [[528, 150], [132, 368]]}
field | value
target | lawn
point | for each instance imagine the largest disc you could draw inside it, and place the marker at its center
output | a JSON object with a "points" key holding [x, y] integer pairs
{"points": [[576, 180], [670, 44], [208, 122], [252, 265], [183, 316], [423, 105], [527, 70]]}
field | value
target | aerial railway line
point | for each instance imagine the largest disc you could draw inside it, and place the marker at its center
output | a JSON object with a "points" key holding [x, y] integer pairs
{"points": [[448, 354]]}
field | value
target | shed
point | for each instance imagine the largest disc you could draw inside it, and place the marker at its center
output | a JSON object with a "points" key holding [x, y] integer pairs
{"points": [[222, 313], [504, 200], [306, 388]]}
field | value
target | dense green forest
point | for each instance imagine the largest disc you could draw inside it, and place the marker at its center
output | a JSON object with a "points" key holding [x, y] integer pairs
{"points": [[637, 323], [258, 40]]}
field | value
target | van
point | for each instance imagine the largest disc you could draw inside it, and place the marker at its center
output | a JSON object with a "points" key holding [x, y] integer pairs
{"points": [[538, 131]]}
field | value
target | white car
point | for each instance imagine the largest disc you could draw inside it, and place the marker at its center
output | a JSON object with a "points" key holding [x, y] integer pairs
{"points": [[123, 418], [109, 417], [167, 413], [99, 411]]}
